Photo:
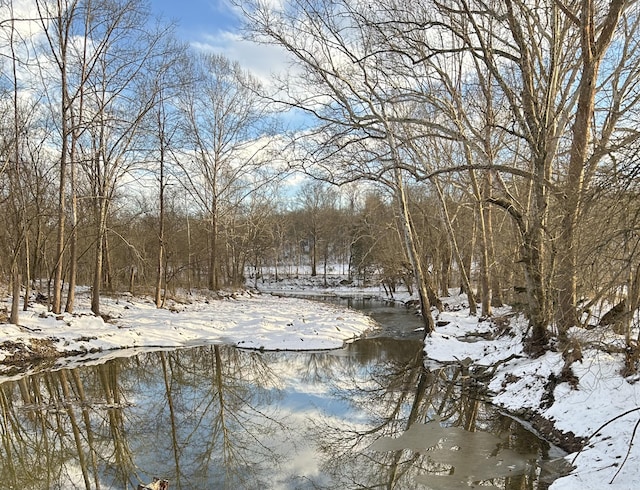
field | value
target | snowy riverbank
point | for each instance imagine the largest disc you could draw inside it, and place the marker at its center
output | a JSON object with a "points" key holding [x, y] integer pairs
{"points": [[526, 386], [492, 350], [247, 320]]}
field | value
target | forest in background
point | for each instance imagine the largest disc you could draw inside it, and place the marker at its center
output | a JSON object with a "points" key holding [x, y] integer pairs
{"points": [[479, 144]]}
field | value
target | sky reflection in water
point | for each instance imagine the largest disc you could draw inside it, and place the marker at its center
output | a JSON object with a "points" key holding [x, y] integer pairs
{"points": [[219, 417]]}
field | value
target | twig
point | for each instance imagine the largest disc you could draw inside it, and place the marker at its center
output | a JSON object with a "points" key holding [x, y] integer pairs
{"points": [[602, 427], [633, 435]]}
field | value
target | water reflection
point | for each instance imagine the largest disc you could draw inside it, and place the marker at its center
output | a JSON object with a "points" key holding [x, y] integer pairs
{"points": [[219, 417]]}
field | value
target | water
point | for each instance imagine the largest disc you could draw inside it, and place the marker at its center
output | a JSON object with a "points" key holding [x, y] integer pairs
{"points": [[366, 416]]}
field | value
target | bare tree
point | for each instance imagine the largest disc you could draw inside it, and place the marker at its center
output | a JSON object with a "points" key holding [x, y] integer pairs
{"points": [[165, 129], [557, 51], [600, 24], [121, 96], [58, 20], [225, 119], [356, 105], [19, 115]]}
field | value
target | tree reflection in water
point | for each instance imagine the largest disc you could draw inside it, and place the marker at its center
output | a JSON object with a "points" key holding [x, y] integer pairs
{"points": [[219, 417], [403, 396]]}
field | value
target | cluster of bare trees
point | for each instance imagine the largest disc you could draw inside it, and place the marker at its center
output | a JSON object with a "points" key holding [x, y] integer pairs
{"points": [[528, 108], [497, 141], [109, 122]]}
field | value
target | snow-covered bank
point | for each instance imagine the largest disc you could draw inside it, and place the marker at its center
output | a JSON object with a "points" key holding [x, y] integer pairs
{"points": [[530, 387], [246, 320]]}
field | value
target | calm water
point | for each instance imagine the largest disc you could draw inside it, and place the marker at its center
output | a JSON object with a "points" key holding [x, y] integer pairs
{"points": [[366, 416]]}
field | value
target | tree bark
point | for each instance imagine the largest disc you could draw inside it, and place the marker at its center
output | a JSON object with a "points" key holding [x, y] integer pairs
{"points": [[409, 240], [160, 263], [213, 250], [99, 253], [16, 279], [73, 245], [593, 52]]}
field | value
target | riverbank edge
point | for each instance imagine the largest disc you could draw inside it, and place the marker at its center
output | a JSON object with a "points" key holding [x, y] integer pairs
{"points": [[41, 353], [36, 353], [566, 403]]}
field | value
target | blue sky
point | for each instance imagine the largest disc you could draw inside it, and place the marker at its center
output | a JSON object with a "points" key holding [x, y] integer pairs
{"points": [[214, 25], [197, 18]]}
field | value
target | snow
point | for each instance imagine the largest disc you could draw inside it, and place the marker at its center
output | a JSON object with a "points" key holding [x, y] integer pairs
{"points": [[601, 396], [244, 319], [600, 409]]}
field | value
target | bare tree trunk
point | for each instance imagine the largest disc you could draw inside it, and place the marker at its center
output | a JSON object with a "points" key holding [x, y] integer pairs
{"points": [[73, 245], [454, 246], [99, 255], [445, 272], [19, 206], [56, 302], [467, 263], [189, 264], [496, 283], [593, 52], [27, 269], [16, 278], [75, 136], [97, 279], [160, 263], [314, 256], [485, 288], [409, 242], [214, 281], [107, 279], [533, 255]]}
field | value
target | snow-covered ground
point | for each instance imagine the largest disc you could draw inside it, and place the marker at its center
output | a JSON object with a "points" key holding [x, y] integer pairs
{"points": [[258, 321], [601, 408], [594, 410]]}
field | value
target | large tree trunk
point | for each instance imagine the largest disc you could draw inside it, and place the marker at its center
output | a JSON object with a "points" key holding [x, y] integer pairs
{"points": [[593, 52], [73, 250], [160, 263], [214, 282], [314, 256], [534, 259], [56, 302]]}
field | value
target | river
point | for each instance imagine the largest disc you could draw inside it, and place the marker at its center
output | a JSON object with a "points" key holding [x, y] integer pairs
{"points": [[366, 416]]}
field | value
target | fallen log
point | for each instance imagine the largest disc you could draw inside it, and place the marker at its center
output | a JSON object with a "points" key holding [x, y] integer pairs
{"points": [[156, 484]]}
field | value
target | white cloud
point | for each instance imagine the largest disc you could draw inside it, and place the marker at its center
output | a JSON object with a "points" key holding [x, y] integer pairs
{"points": [[261, 60]]}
